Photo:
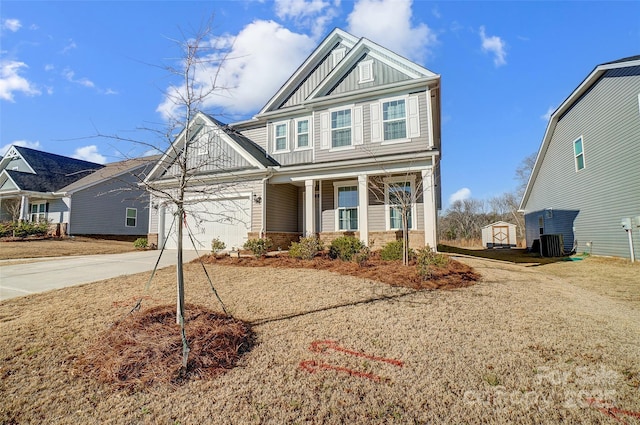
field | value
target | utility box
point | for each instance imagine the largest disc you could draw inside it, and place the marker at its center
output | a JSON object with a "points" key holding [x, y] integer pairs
{"points": [[626, 223]]}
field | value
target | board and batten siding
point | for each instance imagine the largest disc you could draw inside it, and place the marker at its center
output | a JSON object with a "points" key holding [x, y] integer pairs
{"points": [[282, 208], [368, 148], [18, 164], [607, 118], [313, 80], [383, 74], [101, 209], [217, 157]]}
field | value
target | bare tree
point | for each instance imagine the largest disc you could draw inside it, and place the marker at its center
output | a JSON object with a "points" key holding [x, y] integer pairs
{"points": [[13, 207], [523, 172]]}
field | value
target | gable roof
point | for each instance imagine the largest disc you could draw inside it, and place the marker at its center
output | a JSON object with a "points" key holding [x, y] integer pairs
{"points": [[575, 96], [113, 170], [51, 171], [356, 48], [249, 150]]}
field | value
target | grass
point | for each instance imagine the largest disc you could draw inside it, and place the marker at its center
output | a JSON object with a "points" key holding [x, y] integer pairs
{"points": [[525, 345], [55, 247]]}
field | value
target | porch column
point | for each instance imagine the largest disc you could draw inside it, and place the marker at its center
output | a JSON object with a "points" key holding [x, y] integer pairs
{"points": [[24, 208], [363, 203], [309, 207], [161, 224], [430, 213]]}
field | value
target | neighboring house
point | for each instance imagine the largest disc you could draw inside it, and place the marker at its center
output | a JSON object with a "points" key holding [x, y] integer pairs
{"points": [[499, 235], [351, 130], [77, 197], [587, 174]]}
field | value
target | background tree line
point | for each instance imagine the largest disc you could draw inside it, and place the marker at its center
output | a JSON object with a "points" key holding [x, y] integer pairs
{"points": [[463, 221]]}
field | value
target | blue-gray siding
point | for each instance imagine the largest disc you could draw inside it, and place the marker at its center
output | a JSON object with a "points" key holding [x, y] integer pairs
{"points": [[608, 188], [382, 74]]}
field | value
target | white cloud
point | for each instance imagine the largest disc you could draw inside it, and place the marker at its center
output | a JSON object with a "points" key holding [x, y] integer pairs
{"points": [[495, 45], [89, 153], [70, 76], [49, 67], [259, 60], [547, 115], [11, 81], [12, 25], [23, 143], [389, 23], [311, 14], [460, 195], [72, 45]]}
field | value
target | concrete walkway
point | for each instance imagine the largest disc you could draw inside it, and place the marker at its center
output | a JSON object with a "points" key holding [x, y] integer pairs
{"points": [[44, 274]]}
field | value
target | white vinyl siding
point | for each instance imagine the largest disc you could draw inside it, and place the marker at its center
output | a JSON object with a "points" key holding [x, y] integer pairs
{"points": [[131, 217]]}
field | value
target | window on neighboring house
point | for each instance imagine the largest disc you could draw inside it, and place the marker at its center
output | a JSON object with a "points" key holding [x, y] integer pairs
{"points": [[38, 212], [579, 154], [132, 217], [400, 198], [365, 72], [341, 128], [280, 133], [347, 207], [302, 133], [394, 118]]}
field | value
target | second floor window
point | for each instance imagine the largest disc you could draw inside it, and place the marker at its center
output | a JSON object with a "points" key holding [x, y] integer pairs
{"points": [[341, 128], [579, 153], [394, 119], [280, 131], [302, 133]]}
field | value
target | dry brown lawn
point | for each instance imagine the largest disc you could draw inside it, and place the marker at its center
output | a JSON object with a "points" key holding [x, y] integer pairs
{"points": [[54, 247], [543, 344]]}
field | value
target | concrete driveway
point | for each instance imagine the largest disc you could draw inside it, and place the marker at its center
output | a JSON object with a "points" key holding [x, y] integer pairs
{"points": [[45, 274]]}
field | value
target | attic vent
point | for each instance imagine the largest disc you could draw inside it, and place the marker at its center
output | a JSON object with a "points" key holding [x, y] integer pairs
{"points": [[337, 55], [365, 70]]}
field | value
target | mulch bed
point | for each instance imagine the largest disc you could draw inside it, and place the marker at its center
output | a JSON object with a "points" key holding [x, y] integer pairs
{"points": [[146, 348], [394, 273]]}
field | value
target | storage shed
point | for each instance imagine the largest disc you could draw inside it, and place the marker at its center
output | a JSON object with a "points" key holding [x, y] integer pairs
{"points": [[499, 235]]}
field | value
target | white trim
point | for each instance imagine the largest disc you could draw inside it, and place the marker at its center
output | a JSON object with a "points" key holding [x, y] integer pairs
{"points": [[404, 98], [339, 184], [126, 217], [309, 133], [411, 179], [575, 156], [351, 128], [274, 128], [431, 141], [337, 55]]}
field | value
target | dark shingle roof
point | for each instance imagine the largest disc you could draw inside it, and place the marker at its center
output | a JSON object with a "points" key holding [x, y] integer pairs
{"points": [[52, 171], [629, 59], [247, 144]]}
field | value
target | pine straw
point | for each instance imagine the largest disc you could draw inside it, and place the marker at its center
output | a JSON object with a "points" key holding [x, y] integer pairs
{"points": [[145, 349], [394, 273]]}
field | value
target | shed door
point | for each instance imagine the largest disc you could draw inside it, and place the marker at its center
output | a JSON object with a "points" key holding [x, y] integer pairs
{"points": [[500, 235], [227, 219]]}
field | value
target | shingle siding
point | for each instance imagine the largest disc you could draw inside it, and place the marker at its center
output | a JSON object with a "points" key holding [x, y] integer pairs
{"points": [[607, 189]]}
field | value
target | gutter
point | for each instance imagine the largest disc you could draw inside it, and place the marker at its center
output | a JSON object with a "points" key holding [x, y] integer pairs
{"points": [[263, 229]]}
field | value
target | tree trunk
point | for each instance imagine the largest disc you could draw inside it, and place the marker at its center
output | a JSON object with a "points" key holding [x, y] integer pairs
{"points": [[180, 282], [405, 237]]}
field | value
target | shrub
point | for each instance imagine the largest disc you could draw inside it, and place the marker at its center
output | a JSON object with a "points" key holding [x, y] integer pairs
{"points": [[426, 259], [140, 243], [345, 247], [23, 229], [306, 249], [6, 229], [393, 251], [258, 247], [217, 245]]}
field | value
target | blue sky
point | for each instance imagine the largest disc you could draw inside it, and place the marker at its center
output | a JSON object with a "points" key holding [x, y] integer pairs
{"points": [[70, 70]]}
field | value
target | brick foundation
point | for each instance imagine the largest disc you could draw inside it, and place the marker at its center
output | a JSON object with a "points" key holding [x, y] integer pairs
{"points": [[152, 239]]}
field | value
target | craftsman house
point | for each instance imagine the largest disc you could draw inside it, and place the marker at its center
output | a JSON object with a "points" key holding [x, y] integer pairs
{"points": [[352, 132], [76, 197], [586, 178]]}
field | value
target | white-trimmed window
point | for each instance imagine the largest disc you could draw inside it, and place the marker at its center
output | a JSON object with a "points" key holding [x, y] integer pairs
{"points": [[346, 200], [394, 119], [399, 198], [38, 212], [131, 217], [280, 136], [341, 128], [578, 150], [365, 72], [303, 133]]}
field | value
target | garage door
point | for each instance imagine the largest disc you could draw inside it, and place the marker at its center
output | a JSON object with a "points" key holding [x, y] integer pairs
{"points": [[227, 219]]}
